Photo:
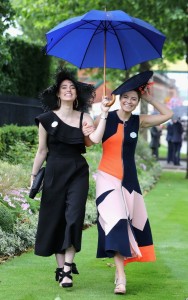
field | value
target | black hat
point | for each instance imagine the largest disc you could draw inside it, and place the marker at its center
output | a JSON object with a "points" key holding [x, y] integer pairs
{"points": [[85, 91], [134, 83]]}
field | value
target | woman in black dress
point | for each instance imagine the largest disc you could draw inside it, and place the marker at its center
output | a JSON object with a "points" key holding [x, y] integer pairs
{"points": [[66, 180]]}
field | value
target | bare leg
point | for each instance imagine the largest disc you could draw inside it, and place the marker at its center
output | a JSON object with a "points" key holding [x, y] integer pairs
{"points": [[121, 281], [60, 258], [69, 256]]}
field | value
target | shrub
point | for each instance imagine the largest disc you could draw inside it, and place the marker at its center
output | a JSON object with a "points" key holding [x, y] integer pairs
{"points": [[21, 153], [19, 202], [148, 168], [21, 239], [91, 213], [14, 140], [12, 177], [6, 219]]}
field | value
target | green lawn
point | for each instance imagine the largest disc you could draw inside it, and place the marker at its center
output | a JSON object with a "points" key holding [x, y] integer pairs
{"points": [[163, 153], [29, 277]]}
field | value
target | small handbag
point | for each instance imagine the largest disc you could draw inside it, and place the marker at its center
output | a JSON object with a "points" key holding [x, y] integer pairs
{"points": [[37, 183]]}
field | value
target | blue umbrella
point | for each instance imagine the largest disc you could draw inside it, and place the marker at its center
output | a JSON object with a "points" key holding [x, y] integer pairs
{"points": [[108, 39]]}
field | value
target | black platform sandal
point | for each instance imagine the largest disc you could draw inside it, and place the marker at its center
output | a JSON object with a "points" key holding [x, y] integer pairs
{"points": [[68, 275], [74, 269], [62, 274], [59, 274]]}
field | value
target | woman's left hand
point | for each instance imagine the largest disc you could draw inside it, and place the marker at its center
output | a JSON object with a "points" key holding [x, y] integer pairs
{"points": [[147, 95], [87, 129], [105, 100]]}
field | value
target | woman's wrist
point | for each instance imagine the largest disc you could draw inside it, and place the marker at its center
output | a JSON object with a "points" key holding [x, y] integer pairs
{"points": [[33, 175], [104, 114], [149, 99]]}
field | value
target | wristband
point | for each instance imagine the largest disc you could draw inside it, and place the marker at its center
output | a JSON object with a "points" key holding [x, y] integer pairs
{"points": [[103, 118]]}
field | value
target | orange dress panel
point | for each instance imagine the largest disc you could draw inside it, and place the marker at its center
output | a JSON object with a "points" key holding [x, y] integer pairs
{"points": [[112, 161], [148, 254]]}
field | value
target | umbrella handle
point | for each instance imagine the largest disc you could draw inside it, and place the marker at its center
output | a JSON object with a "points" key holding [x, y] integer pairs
{"points": [[110, 103]]}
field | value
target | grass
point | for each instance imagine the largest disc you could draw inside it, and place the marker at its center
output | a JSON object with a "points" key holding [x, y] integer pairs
{"points": [[163, 153], [29, 277]]}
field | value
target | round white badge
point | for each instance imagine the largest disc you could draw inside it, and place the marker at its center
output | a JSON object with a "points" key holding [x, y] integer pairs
{"points": [[54, 124], [133, 135]]}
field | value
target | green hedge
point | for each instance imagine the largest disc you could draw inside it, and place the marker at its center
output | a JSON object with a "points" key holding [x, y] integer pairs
{"points": [[13, 138], [27, 72], [6, 218]]}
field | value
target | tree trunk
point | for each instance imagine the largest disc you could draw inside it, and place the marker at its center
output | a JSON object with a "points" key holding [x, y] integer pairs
{"points": [[144, 106]]}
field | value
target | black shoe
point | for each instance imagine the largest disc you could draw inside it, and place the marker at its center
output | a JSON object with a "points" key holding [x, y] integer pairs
{"points": [[59, 274], [67, 274], [66, 284], [74, 269]]}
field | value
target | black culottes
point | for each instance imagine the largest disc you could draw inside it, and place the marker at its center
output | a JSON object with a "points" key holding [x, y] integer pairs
{"points": [[63, 201]]}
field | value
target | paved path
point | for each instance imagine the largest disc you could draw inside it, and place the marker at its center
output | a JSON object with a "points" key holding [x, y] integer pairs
{"points": [[171, 166], [164, 142]]}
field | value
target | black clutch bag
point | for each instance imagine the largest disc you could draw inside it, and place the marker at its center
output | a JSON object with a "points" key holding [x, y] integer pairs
{"points": [[37, 183]]}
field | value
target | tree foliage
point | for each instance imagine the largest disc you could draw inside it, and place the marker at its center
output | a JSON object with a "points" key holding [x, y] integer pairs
{"points": [[169, 16], [27, 73], [6, 19]]}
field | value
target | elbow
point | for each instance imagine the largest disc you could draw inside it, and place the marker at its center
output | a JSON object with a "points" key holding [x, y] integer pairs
{"points": [[43, 152], [95, 140], [171, 114], [98, 141]]}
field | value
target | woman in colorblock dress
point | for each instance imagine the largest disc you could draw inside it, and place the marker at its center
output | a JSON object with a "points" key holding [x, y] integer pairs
{"points": [[123, 227]]}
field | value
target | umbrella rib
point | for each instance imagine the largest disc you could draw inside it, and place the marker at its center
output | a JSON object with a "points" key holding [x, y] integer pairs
{"points": [[136, 29], [125, 66], [64, 36], [89, 44], [86, 22], [146, 38], [113, 32]]}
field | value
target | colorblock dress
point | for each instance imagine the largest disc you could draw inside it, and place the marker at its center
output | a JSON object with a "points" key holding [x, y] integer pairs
{"points": [[123, 224], [65, 188]]}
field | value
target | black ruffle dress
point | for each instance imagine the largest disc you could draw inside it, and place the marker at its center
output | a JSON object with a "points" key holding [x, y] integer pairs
{"points": [[66, 184]]}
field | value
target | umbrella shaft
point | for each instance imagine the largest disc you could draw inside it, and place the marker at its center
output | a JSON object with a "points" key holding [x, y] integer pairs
{"points": [[104, 75]]}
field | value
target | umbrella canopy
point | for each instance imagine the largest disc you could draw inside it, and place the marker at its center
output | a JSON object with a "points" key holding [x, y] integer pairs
{"points": [[111, 39], [108, 39]]}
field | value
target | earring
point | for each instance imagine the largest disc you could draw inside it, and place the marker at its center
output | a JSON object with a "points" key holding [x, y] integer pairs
{"points": [[76, 103]]}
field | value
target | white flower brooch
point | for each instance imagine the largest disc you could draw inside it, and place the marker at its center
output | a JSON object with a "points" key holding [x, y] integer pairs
{"points": [[54, 124], [133, 135]]}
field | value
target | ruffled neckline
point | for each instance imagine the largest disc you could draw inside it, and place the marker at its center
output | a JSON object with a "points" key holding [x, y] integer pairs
{"points": [[58, 118], [59, 129]]}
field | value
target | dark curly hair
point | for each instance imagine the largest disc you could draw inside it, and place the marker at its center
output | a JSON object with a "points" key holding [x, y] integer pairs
{"points": [[85, 92]]}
